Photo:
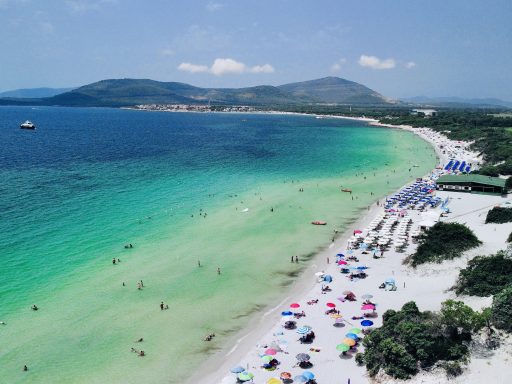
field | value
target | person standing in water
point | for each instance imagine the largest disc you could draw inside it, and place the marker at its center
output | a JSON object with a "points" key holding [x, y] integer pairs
{"points": [[296, 259], [218, 270]]}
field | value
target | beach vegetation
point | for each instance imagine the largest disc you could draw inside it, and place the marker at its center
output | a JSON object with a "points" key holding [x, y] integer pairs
{"points": [[410, 340], [499, 215], [443, 241], [502, 309], [485, 275]]}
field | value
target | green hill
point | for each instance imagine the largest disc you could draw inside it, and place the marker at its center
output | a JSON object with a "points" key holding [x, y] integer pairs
{"points": [[128, 92]]}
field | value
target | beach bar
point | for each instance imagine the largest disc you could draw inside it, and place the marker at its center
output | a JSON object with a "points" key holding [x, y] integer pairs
{"points": [[472, 183]]}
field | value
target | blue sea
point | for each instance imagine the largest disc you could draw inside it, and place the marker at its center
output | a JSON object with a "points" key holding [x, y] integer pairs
{"points": [[219, 190]]}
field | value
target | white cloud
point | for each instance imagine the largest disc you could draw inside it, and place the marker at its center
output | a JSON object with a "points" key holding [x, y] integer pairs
{"points": [[80, 6], [192, 68], [337, 66], [410, 64], [226, 66], [212, 7], [265, 68], [223, 66], [167, 52], [376, 63]]}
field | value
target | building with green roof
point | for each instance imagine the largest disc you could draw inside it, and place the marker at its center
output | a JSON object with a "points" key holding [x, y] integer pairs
{"points": [[472, 183]]}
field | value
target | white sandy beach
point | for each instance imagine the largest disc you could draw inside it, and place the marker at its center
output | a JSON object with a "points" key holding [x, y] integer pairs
{"points": [[428, 286]]}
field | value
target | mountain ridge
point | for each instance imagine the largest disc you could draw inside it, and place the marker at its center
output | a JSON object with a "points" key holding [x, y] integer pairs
{"points": [[128, 92]]}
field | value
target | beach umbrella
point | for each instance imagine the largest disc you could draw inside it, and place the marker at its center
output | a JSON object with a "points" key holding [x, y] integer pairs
{"points": [[357, 331], [308, 375], [335, 315], [328, 278], [390, 281], [303, 330], [319, 273], [267, 359], [367, 307], [342, 347], [350, 251], [367, 296], [273, 380], [348, 293], [237, 369], [300, 379], [285, 375], [245, 376], [295, 305], [363, 246], [349, 341], [352, 336], [270, 351], [287, 313], [331, 305], [366, 323], [362, 267], [340, 255], [303, 357], [342, 262]]}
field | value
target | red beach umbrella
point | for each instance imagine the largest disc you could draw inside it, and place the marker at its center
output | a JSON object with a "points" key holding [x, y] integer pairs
{"points": [[342, 262], [358, 231], [368, 307], [295, 305], [331, 305], [270, 351]]}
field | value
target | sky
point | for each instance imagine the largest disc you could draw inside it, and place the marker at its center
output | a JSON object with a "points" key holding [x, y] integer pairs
{"points": [[400, 48]]}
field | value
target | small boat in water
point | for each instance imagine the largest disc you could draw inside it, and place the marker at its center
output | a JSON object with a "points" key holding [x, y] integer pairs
{"points": [[319, 222], [27, 125], [346, 190]]}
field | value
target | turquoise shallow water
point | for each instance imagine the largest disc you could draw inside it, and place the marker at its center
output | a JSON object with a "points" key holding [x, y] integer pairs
{"points": [[88, 181]]}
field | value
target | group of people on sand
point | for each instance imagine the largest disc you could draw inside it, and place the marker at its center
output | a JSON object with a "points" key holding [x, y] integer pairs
{"points": [[294, 259]]}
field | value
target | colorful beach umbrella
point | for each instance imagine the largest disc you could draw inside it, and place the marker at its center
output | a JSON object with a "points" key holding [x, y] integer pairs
{"points": [[358, 231], [285, 375], [342, 347], [335, 316], [366, 307], [340, 255], [352, 336], [245, 376], [286, 313], [237, 369], [349, 341], [331, 305], [295, 305], [273, 380], [357, 331], [300, 379], [270, 351], [267, 359], [342, 262], [366, 323]]}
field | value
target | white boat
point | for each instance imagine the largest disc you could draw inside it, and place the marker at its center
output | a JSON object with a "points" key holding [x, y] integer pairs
{"points": [[27, 125]]}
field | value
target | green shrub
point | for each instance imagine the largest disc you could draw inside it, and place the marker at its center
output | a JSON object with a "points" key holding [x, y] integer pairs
{"points": [[499, 215], [410, 340], [443, 241], [452, 368], [502, 310], [485, 275]]}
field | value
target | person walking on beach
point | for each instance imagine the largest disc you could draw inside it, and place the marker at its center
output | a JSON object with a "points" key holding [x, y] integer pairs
{"points": [[218, 270]]}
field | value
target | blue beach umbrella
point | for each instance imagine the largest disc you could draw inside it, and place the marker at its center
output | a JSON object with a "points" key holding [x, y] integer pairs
{"points": [[390, 281], [352, 336], [303, 330], [286, 313], [300, 379], [362, 267], [238, 369], [328, 278], [308, 375], [363, 246], [366, 323], [340, 255], [350, 251]]}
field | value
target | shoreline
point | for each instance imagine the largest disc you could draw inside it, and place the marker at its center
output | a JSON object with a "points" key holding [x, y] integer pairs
{"points": [[214, 369]]}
